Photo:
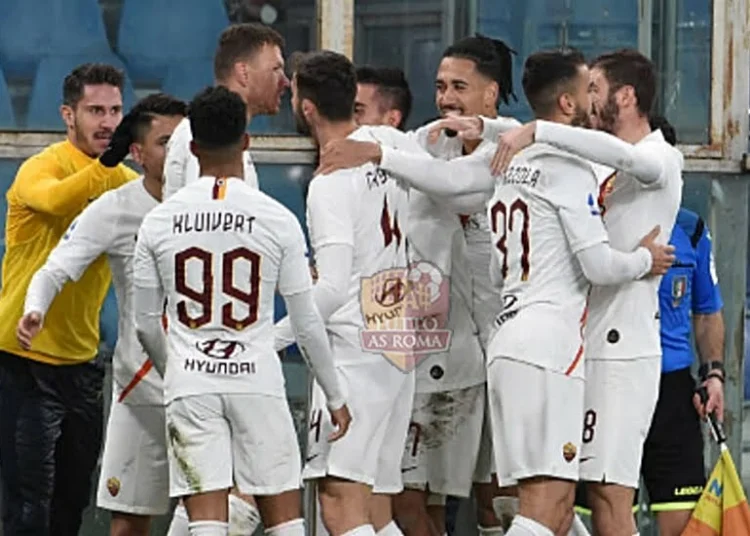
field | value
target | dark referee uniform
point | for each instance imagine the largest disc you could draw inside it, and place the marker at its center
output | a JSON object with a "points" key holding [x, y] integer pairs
{"points": [[672, 467]]}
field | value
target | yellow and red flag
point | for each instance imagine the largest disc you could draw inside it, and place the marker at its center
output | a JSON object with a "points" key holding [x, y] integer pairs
{"points": [[722, 509]]}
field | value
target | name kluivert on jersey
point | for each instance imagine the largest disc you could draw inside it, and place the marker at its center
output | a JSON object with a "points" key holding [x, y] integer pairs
{"points": [[207, 222]]}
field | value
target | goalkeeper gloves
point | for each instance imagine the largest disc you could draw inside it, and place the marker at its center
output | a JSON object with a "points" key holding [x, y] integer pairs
{"points": [[119, 145]]}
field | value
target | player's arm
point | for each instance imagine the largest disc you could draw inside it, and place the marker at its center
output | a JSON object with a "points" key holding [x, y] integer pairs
{"points": [[42, 185], [331, 226], [583, 226], [468, 127], [148, 302], [708, 324], [295, 285], [644, 161], [88, 237]]}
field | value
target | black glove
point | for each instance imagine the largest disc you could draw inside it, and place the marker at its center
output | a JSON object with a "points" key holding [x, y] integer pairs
{"points": [[119, 145]]}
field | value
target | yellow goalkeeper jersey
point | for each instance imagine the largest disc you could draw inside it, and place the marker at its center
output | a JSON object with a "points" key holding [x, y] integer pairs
{"points": [[50, 189]]}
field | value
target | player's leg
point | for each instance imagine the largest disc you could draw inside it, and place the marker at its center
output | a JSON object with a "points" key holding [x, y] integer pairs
{"points": [[267, 459], [200, 461], [346, 470], [621, 397], [437, 509], [244, 516], [134, 478], [79, 445], [673, 466], [544, 460]]}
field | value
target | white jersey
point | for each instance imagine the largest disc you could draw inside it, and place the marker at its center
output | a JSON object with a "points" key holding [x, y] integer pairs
{"points": [[366, 209], [109, 226], [624, 320], [486, 299], [436, 235], [543, 212], [181, 166], [219, 249]]}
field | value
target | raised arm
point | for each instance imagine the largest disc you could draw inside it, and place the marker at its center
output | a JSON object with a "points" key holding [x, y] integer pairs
{"points": [[644, 161], [148, 303]]}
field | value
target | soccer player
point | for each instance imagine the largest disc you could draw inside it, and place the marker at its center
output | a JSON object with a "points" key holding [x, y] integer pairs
{"points": [[51, 392], [249, 61], [217, 250], [134, 478], [623, 352], [383, 97], [556, 85], [473, 77], [357, 221]]}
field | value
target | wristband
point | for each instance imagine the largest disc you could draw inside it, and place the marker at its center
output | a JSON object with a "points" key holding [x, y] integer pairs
{"points": [[706, 368], [716, 375]]}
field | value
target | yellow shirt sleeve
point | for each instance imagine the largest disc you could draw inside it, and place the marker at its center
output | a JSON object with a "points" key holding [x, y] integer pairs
{"points": [[42, 186]]}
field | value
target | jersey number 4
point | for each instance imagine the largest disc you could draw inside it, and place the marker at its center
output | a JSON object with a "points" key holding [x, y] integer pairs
{"points": [[503, 218], [204, 296]]}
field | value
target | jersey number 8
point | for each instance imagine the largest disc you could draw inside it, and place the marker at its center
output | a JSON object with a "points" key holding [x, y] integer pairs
{"points": [[204, 296]]}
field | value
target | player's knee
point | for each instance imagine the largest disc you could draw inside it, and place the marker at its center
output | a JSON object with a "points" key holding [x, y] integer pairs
{"points": [[129, 525], [410, 509], [344, 505]]}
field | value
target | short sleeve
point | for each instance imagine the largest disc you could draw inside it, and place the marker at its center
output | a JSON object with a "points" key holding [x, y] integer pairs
{"points": [[294, 272], [330, 218], [706, 294], [88, 236], [573, 191]]}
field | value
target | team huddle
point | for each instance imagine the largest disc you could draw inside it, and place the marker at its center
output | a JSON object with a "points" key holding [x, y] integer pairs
{"points": [[483, 317]]}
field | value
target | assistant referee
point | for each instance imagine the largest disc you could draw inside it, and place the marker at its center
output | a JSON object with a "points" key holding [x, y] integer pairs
{"points": [[51, 393]]}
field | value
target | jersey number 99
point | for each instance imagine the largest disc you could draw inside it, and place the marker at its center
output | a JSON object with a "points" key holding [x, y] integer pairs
{"points": [[204, 295]]}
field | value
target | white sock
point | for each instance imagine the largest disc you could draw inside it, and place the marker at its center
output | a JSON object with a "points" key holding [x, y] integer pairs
{"points": [[209, 528], [295, 527], [179, 526], [490, 531], [362, 530], [244, 517], [391, 529], [523, 526], [505, 507]]}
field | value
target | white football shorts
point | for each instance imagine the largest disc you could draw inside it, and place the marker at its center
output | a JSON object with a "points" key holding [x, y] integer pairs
{"points": [[219, 440], [442, 447], [620, 401], [134, 477], [380, 397], [536, 421]]}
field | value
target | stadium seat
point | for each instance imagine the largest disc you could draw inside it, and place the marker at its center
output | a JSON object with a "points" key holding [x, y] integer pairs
{"points": [[150, 47], [78, 28], [7, 117], [183, 80], [46, 93], [25, 28]]}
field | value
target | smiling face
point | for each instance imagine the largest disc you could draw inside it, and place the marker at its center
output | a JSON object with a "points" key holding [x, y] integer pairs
{"points": [[94, 118], [462, 90]]}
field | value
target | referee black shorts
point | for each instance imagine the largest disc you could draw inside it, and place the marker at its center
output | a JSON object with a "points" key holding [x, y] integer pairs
{"points": [[672, 466]]}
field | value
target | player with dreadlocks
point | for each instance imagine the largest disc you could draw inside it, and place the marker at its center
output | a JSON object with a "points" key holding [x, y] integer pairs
{"points": [[448, 447]]}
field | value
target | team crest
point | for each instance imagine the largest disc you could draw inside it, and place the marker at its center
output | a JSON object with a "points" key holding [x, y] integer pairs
{"points": [[405, 312], [113, 486], [569, 452], [605, 189], [679, 288]]}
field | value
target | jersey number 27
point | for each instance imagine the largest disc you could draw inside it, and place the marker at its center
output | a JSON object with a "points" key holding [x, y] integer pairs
{"points": [[204, 295]]}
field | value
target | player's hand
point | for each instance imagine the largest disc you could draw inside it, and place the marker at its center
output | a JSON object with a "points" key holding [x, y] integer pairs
{"points": [[345, 154], [509, 144], [715, 402], [119, 144], [27, 328], [662, 256], [341, 419], [466, 127]]}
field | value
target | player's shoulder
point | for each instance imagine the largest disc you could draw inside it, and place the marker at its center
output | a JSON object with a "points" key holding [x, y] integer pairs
{"points": [[548, 162], [692, 225], [655, 142]]}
